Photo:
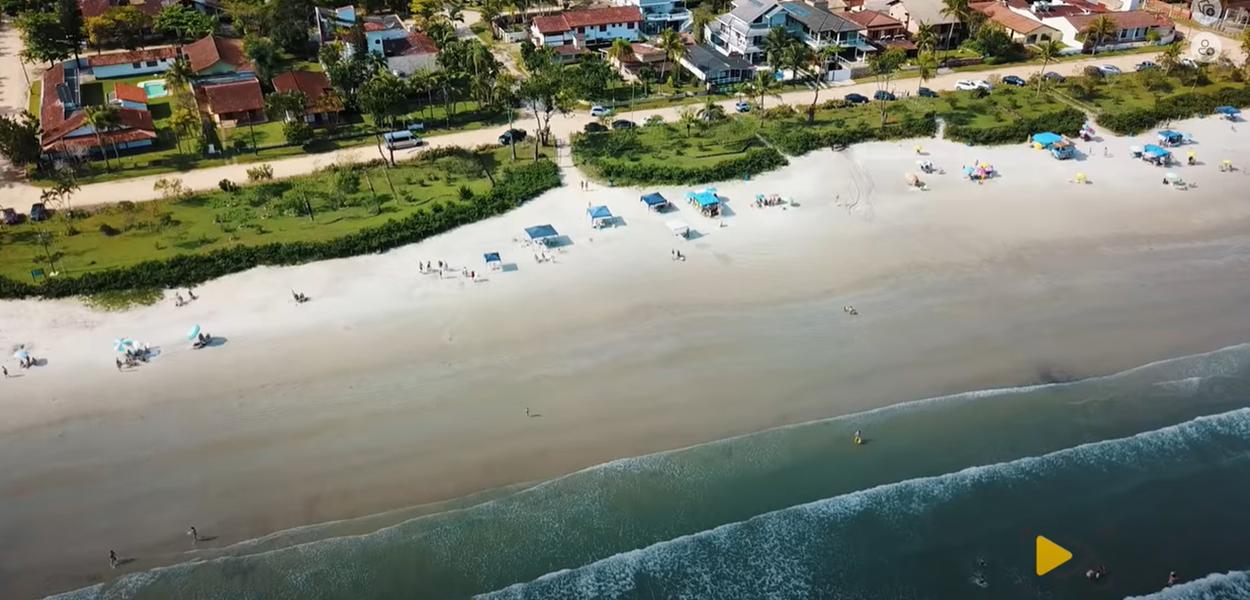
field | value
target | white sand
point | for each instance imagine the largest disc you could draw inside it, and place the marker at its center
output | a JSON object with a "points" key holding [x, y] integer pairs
{"points": [[392, 388]]}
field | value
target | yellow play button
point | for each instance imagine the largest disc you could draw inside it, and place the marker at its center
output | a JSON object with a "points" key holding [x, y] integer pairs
{"points": [[1050, 555]]}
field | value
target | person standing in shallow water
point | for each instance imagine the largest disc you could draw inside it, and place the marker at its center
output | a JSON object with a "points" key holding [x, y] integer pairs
{"points": [[113, 559]]}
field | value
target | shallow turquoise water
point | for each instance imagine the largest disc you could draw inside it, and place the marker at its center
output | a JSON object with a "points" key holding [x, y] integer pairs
{"points": [[1145, 472]]}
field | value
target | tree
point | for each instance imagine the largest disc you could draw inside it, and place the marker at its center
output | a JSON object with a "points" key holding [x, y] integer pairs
{"points": [[961, 10], [183, 23], [185, 121], [120, 25], [819, 64], [490, 10], [103, 119], [673, 47], [711, 112], [19, 139], [287, 106], [60, 195], [424, 10], [687, 117], [249, 16], [621, 50], [1245, 48], [1048, 50], [776, 44], [765, 84], [926, 37], [590, 78], [546, 93], [440, 30], [43, 38], [70, 18], [926, 67], [1170, 58], [700, 18], [263, 54], [297, 132], [883, 66], [382, 98], [288, 25], [1099, 30], [454, 10]]}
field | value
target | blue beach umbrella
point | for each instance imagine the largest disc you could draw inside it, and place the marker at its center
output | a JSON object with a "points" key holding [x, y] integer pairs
{"points": [[21, 355], [194, 332], [121, 344]]}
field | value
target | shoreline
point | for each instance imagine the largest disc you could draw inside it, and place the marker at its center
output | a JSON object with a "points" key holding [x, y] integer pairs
{"points": [[392, 389]]}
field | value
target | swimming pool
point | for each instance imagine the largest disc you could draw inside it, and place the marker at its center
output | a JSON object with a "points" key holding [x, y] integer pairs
{"points": [[155, 88]]}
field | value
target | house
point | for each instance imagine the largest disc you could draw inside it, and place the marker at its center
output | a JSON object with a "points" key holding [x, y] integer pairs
{"points": [[64, 121], [233, 103], [587, 28], [911, 13], [379, 29], [644, 57], [129, 96], [659, 15], [819, 28], [130, 64], [218, 58], [331, 20], [1133, 29], [1017, 21], [324, 104], [714, 68], [878, 27], [411, 53], [741, 32]]}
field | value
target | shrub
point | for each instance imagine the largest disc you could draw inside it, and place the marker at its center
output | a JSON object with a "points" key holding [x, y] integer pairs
{"points": [[796, 138], [260, 172], [297, 133], [752, 162], [1067, 121], [228, 186], [1176, 106], [466, 194], [108, 230]]}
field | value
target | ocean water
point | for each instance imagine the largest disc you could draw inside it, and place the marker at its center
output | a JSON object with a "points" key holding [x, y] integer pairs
{"points": [[1145, 472]]}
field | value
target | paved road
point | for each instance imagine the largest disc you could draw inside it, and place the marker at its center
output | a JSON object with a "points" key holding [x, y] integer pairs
{"points": [[140, 188]]}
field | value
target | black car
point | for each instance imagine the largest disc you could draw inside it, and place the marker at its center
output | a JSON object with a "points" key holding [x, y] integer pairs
{"points": [[1015, 80], [884, 95], [925, 92], [1053, 76], [1146, 65], [623, 124], [856, 98], [38, 212], [594, 128], [10, 216], [510, 136]]}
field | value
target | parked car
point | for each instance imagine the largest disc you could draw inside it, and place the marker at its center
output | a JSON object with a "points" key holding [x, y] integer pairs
{"points": [[11, 217], [925, 92], [398, 140], [1053, 76], [593, 127], [856, 98], [512, 135], [1189, 62], [38, 212], [972, 84], [1109, 69], [1147, 65], [884, 95], [623, 124], [742, 106], [599, 111], [1015, 80]]}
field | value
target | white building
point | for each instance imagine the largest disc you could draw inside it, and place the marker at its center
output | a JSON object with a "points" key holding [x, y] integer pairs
{"points": [[659, 15], [588, 28], [741, 32]]}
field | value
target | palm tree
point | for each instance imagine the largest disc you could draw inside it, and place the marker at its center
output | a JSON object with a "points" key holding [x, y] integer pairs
{"points": [[490, 10], [926, 68], [687, 117], [621, 51], [765, 84], [776, 43], [926, 37], [959, 9], [179, 75], [711, 112], [674, 48], [103, 119], [455, 10], [1049, 50], [1099, 30], [699, 20], [1171, 56]]}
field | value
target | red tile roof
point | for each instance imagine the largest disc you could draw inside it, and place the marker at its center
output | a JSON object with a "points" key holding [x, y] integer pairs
{"points": [[314, 85], [211, 50], [871, 19], [121, 58], [415, 43], [1130, 19], [236, 96], [587, 18], [1009, 19], [130, 93]]}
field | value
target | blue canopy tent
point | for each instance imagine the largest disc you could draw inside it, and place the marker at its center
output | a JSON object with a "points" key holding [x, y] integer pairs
{"points": [[1046, 139], [493, 260], [1157, 155], [599, 215], [1168, 137], [542, 233], [655, 201], [1058, 146], [1229, 112], [707, 201]]}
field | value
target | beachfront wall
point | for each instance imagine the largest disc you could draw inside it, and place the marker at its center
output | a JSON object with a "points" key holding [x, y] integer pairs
{"points": [[133, 69]]}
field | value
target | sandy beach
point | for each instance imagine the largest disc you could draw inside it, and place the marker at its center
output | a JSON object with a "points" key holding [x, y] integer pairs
{"points": [[392, 388]]}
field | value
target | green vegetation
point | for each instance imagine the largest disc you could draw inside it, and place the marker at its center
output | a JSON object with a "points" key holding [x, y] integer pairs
{"points": [[123, 300], [1135, 102], [695, 150], [341, 211], [834, 125]]}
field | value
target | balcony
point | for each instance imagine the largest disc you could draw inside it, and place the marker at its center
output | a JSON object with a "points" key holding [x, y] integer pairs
{"points": [[676, 15]]}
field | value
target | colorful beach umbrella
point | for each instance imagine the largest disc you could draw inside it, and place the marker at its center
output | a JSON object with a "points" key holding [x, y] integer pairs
{"points": [[121, 344], [21, 355], [194, 332]]}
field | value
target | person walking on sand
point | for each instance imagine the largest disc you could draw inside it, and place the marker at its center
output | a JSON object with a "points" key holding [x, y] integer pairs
{"points": [[178, 299], [195, 535], [113, 559], [191, 293], [119, 364]]}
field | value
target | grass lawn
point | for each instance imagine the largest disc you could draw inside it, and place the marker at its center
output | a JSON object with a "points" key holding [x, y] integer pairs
{"points": [[32, 103], [671, 144], [1133, 90], [270, 212]]}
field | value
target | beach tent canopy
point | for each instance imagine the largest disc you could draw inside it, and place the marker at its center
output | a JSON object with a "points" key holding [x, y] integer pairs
{"points": [[540, 232], [1171, 136], [654, 200], [492, 257], [1227, 110], [678, 227], [1156, 151], [1047, 138], [705, 198], [599, 212]]}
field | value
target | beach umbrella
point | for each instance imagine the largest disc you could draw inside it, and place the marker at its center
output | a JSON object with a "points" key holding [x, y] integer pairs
{"points": [[121, 344], [21, 355], [194, 332]]}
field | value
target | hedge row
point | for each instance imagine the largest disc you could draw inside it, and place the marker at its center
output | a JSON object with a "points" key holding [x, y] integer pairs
{"points": [[1066, 121], [752, 162], [797, 137], [1177, 106], [516, 185]]}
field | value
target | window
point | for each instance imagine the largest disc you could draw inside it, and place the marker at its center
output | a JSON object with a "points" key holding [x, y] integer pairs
{"points": [[136, 64], [603, 28], [151, 63]]}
